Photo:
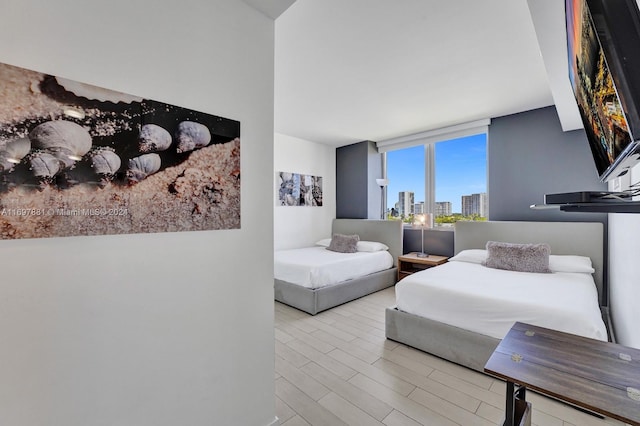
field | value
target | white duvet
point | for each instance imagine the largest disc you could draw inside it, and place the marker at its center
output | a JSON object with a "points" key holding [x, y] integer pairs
{"points": [[488, 301], [316, 267]]}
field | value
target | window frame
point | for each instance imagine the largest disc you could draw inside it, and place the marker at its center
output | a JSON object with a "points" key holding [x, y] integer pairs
{"points": [[429, 140]]}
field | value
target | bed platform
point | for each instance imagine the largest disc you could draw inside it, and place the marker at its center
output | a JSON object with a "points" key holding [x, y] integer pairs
{"points": [[472, 349], [313, 301]]}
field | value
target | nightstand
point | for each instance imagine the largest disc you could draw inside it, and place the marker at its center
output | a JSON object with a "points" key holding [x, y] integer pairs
{"points": [[410, 263]]}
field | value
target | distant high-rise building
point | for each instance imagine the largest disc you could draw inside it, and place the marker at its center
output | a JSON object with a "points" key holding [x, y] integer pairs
{"points": [[405, 203], [443, 208], [475, 204], [418, 208]]}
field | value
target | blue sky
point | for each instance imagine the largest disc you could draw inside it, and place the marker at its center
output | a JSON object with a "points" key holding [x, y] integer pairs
{"points": [[461, 169]]}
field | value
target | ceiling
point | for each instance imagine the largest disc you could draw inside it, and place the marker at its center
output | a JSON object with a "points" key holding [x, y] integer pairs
{"points": [[347, 71]]}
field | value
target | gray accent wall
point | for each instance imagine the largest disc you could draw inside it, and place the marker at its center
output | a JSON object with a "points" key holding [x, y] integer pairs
{"points": [[357, 195], [528, 156]]}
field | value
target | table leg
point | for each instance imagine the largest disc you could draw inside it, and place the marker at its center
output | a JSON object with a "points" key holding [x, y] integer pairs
{"points": [[514, 393], [521, 393], [510, 407]]}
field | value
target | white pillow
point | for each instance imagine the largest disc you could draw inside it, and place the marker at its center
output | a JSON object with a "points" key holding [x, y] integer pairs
{"points": [[557, 262], [371, 246], [570, 263], [470, 255], [324, 242]]}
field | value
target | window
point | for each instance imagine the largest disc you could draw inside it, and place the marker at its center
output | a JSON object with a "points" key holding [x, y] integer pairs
{"points": [[405, 171], [447, 179]]}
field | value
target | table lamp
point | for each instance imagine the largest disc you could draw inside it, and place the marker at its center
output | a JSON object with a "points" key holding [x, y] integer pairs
{"points": [[420, 221]]}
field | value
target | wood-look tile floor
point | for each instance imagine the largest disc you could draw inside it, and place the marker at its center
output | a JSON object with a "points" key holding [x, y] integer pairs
{"points": [[337, 368]]}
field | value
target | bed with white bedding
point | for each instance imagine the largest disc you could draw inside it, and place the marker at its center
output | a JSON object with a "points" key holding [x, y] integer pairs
{"points": [[314, 279], [490, 302], [316, 267], [461, 310]]}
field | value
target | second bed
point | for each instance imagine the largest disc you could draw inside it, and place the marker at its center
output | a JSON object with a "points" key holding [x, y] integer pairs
{"points": [[314, 279], [460, 311]]}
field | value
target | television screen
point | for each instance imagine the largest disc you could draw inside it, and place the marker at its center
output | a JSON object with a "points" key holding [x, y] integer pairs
{"points": [[596, 74]]}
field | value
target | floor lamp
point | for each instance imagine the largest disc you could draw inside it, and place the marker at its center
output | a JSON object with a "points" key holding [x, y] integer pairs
{"points": [[382, 183]]}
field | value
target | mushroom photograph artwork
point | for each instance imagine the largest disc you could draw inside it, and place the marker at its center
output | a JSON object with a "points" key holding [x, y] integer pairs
{"points": [[77, 159]]}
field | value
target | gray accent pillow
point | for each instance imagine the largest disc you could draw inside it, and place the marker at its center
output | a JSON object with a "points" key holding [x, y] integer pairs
{"points": [[518, 257], [344, 243]]}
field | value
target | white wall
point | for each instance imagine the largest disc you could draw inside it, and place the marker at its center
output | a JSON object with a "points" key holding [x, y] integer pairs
{"points": [[302, 226], [624, 275], [149, 329]]}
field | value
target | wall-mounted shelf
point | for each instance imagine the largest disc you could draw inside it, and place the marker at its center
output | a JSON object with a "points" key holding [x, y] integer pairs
{"points": [[605, 207]]}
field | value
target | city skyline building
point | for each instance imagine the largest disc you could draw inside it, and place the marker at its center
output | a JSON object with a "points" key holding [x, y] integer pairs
{"points": [[443, 208], [405, 203], [418, 208], [475, 204]]}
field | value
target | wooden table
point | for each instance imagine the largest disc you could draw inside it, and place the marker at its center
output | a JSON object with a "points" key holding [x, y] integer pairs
{"points": [[411, 262], [598, 376]]}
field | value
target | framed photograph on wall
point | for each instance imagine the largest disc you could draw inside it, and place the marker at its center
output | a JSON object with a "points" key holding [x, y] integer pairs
{"points": [[77, 159], [296, 189]]}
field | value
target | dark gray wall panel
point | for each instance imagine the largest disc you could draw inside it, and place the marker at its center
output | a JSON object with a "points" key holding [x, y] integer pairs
{"points": [[374, 194], [529, 155], [357, 194], [351, 181]]}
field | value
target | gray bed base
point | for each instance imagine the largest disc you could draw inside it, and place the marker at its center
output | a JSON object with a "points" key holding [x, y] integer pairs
{"points": [[445, 341], [313, 301], [472, 349], [454, 344]]}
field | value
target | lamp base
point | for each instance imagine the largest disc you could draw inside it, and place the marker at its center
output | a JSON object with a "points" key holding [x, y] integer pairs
{"points": [[421, 254]]}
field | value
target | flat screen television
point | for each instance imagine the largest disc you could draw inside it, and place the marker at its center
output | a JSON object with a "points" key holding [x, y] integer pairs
{"points": [[603, 42]]}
